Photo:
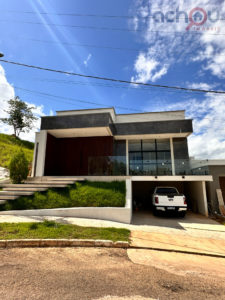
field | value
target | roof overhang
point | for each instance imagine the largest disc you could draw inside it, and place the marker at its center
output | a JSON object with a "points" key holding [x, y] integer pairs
{"points": [[152, 136], [80, 132], [173, 178]]}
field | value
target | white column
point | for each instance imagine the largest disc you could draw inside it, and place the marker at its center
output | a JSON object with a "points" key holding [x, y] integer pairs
{"points": [[172, 157], [41, 138], [127, 157]]}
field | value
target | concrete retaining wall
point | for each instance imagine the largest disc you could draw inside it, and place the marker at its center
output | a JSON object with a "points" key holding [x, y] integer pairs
{"points": [[117, 214]]}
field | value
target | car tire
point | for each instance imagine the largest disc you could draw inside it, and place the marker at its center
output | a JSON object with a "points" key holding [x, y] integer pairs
{"points": [[155, 211], [182, 214]]}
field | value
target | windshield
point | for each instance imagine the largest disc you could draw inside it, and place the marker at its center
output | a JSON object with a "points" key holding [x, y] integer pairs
{"points": [[165, 190]]}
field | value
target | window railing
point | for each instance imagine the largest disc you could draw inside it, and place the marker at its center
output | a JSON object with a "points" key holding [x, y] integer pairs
{"points": [[116, 166]]}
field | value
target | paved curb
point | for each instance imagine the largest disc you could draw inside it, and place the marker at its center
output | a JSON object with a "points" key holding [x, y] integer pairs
{"points": [[33, 243], [41, 243], [177, 251]]}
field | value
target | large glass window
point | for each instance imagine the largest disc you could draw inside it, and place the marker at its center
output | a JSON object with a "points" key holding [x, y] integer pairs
{"points": [[150, 157]]}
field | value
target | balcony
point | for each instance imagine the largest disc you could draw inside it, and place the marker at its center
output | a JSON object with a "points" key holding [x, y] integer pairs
{"points": [[116, 166]]}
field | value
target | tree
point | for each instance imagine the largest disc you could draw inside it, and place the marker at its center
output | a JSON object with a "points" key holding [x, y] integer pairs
{"points": [[20, 116]]}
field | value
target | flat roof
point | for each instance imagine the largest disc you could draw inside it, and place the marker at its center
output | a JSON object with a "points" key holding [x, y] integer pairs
{"points": [[103, 108], [71, 110]]}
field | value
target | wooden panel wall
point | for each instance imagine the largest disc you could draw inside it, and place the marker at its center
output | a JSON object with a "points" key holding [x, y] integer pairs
{"points": [[69, 156]]}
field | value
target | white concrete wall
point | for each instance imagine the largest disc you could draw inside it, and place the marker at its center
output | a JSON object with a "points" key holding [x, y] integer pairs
{"points": [[117, 214], [151, 117], [41, 138], [197, 190]]}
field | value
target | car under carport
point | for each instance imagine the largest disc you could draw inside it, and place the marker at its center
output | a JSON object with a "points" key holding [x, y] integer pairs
{"points": [[193, 187]]}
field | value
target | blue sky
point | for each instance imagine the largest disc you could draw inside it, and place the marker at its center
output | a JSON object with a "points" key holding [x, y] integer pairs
{"points": [[153, 52]]}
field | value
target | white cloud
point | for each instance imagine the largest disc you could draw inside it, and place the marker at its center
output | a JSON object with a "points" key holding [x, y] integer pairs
{"points": [[147, 69], [6, 93], [200, 86], [208, 139], [87, 59], [169, 43]]}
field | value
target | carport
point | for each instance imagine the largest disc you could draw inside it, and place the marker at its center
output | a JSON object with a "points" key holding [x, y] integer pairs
{"points": [[193, 187]]}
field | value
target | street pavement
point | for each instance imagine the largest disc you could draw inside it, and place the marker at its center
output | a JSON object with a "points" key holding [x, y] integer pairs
{"points": [[108, 274]]}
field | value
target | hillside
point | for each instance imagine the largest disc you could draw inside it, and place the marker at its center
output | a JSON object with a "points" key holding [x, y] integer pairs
{"points": [[9, 145]]}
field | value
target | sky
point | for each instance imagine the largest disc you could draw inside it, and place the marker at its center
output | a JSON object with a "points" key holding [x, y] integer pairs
{"points": [[159, 42]]}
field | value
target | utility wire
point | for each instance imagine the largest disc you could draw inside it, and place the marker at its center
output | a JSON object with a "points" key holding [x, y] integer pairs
{"points": [[103, 47], [107, 85], [113, 79], [91, 15], [74, 99], [111, 28]]}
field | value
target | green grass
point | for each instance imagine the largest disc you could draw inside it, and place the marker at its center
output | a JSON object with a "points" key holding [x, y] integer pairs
{"points": [[81, 194], [53, 230], [9, 145]]}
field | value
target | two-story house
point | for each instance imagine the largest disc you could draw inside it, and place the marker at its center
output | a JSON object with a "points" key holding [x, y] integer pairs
{"points": [[149, 148]]}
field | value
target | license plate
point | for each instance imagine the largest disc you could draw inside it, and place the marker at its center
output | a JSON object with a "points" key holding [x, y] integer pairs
{"points": [[171, 208], [171, 199]]}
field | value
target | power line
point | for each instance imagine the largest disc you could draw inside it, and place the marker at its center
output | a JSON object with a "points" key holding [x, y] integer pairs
{"points": [[113, 79], [100, 46], [91, 15], [107, 85], [97, 104], [74, 99], [111, 28]]}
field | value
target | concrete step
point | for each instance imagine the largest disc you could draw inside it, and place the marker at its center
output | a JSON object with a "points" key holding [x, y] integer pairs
{"points": [[4, 197], [22, 189], [16, 193], [27, 185], [65, 182], [56, 178]]}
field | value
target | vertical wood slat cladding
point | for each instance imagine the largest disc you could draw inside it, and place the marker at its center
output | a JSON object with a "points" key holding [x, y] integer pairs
{"points": [[69, 156]]}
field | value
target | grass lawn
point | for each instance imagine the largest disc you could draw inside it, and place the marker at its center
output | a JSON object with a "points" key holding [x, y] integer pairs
{"points": [[53, 230], [80, 194], [9, 145]]}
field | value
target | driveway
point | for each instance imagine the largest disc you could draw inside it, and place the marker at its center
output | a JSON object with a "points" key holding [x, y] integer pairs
{"points": [[192, 225]]}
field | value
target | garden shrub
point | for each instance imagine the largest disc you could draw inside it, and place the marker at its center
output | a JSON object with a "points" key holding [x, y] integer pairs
{"points": [[18, 168]]}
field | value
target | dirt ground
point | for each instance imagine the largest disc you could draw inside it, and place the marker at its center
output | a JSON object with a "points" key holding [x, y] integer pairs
{"points": [[99, 274]]}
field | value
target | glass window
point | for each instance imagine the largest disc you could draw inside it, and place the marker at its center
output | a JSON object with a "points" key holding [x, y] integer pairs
{"points": [[135, 145], [148, 145], [119, 148], [163, 144], [150, 169], [135, 157], [164, 156], [149, 157]]}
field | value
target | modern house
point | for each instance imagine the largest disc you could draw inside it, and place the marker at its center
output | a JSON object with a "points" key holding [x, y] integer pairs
{"points": [[148, 148]]}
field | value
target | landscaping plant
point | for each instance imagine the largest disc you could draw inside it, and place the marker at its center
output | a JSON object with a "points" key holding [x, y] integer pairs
{"points": [[19, 168]]}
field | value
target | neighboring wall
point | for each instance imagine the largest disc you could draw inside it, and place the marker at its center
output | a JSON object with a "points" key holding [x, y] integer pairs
{"points": [[197, 191], [216, 172]]}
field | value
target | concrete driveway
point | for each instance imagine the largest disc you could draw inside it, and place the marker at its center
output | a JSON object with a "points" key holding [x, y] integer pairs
{"points": [[192, 225]]}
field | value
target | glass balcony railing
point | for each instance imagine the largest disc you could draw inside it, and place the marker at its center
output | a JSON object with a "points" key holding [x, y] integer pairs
{"points": [[151, 167], [116, 166], [107, 166]]}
